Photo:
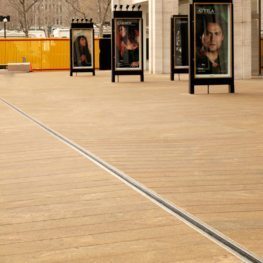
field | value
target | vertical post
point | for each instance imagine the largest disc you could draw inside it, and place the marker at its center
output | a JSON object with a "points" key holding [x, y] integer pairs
{"points": [[172, 50], [191, 49], [142, 56], [71, 50], [260, 47], [113, 50], [232, 85], [93, 58], [144, 41], [4, 30], [5, 21]]}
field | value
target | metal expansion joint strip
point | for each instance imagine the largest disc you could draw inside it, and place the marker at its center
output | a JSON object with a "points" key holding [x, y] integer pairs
{"points": [[184, 216]]}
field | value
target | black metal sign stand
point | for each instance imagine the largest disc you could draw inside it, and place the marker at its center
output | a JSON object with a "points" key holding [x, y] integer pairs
{"points": [[212, 79], [182, 40], [82, 26], [126, 16]]}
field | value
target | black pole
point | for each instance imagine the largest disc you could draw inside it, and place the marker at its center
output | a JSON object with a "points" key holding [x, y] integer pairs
{"points": [[4, 29], [260, 47], [172, 50], [191, 49], [232, 83], [71, 52], [113, 50], [142, 57]]}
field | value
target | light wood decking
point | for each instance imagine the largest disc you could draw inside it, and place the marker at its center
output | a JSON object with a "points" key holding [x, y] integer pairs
{"points": [[203, 153]]}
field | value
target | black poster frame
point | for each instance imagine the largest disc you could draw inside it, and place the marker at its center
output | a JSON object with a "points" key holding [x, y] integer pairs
{"points": [[114, 71], [212, 80], [173, 69], [83, 26]]}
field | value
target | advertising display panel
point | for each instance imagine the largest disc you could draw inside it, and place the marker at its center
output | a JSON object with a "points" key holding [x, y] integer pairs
{"points": [[181, 42], [211, 44], [128, 44], [82, 47], [179, 45], [82, 52], [212, 40]]}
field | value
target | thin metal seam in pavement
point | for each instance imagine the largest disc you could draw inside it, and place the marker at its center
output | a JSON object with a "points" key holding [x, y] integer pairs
{"points": [[196, 224]]}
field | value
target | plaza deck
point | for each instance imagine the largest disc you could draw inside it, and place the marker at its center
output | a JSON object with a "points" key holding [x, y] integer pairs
{"points": [[203, 153]]}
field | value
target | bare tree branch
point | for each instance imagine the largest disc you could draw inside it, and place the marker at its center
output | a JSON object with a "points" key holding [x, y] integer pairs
{"points": [[76, 7], [103, 11], [23, 8], [25, 12], [32, 4], [85, 8]]}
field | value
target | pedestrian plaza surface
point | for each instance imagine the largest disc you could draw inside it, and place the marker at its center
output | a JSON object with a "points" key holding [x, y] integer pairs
{"points": [[202, 153]]}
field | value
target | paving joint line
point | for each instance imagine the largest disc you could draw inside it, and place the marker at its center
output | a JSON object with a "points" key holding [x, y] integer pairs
{"points": [[193, 222]]}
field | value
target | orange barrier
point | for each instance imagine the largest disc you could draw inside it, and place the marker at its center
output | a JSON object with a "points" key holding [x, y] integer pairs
{"points": [[43, 54]]}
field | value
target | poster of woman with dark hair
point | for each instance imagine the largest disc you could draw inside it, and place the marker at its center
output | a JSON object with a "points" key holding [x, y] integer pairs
{"points": [[82, 48], [212, 40], [127, 39]]}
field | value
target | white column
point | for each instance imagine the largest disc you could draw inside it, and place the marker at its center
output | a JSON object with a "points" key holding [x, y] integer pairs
{"points": [[160, 12], [170, 7], [242, 39], [155, 36]]}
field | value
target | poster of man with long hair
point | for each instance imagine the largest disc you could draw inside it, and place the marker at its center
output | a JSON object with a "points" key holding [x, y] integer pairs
{"points": [[213, 40], [82, 48], [128, 44]]}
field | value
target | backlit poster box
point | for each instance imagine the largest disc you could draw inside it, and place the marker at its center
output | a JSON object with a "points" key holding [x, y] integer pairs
{"points": [[181, 42], [82, 47], [128, 44], [211, 44], [212, 40], [179, 45], [82, 43]]}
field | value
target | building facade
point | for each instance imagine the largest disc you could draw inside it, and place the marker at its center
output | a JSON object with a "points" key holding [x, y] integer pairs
{"points": [[247, 21], [50, 14]]}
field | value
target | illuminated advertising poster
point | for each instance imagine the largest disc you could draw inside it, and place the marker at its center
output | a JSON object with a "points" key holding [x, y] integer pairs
{"points": [[212, 40], [181, 42], [128, 44], [82, 48]]}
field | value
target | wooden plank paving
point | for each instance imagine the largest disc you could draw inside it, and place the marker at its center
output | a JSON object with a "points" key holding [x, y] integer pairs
{"points": [[204, 153], [56, 206]]}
